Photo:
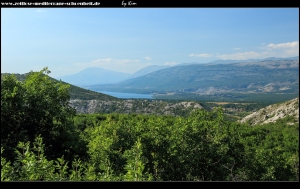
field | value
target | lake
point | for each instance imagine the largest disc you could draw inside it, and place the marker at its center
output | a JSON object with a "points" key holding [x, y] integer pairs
{"points": [[127, 95]]}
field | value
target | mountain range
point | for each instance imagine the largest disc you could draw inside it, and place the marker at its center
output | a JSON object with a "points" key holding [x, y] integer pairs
{"points": [[274, 79], [146, 70], [94, 76], [251, 60], [275, 76], [87, 101], [98, 76]]}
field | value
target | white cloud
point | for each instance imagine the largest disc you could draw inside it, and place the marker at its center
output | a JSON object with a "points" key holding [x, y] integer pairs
{"points": [[120, 65], [288, 45], [102, 60], [281, 50], [110, 60], [39, 10], [148, 58], [237, 48], [244, 55], [170, 63], [204, 55]]}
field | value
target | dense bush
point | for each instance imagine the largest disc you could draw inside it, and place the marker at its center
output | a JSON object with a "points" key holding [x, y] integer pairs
{"points": [[42, 139], [38, 106]]}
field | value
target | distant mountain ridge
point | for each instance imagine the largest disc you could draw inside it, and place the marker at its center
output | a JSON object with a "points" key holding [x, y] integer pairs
{"points": [[251, 60], [147, 70], [98, 76], [94, 76], [229, 80]]}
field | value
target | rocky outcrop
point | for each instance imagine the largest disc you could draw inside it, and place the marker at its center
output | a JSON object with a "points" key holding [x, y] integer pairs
{"points": [[274, 112], [134, 106]]}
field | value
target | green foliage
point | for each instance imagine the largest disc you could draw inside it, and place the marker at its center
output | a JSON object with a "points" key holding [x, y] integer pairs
{"points": [[271, 150], [7, 171], [75, 92], [12, 108], [135, 165], [201, 147], [32, 165], [51, 144], [37, 106]]}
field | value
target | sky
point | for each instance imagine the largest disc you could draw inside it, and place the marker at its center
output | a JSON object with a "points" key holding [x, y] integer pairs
{"points": [[68, 40]]}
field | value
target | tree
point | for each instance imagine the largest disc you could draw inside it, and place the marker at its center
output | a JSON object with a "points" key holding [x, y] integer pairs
{"points": [[37, 106], [12, 113]]}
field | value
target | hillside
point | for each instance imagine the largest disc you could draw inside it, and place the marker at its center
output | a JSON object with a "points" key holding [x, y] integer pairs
{"points": [[89, 102], [274, 112], [231, 81], [75, 92], [251, 77]]}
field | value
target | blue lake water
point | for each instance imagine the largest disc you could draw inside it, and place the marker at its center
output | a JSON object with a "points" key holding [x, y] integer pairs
{"points": [[127, 95]]}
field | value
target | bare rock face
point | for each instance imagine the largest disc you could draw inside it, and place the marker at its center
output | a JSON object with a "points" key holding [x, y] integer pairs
{"points": [[133, 106], [274, 112]]}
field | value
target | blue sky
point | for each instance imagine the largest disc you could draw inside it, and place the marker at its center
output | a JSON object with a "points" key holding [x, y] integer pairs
{"points": [[68, 40]]}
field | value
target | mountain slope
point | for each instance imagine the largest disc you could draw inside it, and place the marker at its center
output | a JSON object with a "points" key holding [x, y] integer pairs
{"points": [[251, 77], [147, 70], [75, 92], [94, 76], [251, 60], [274, 112]]}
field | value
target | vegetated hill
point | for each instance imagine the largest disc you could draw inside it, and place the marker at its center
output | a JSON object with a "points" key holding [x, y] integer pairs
{"points": [[274, 112], [94, 76], [86, 101], [75, 92]]}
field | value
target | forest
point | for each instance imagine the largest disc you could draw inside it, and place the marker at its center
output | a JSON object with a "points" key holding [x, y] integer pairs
{"points": [[44, 139]]}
